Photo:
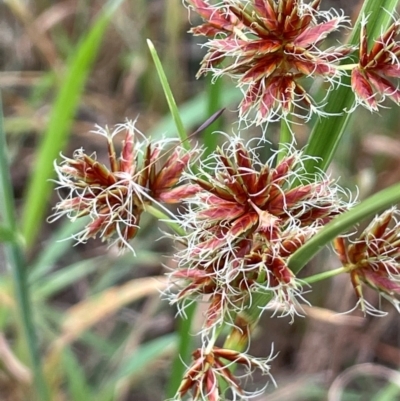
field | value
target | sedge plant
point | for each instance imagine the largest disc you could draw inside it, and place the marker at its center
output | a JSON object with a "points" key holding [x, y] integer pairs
{"points": [[244, 221], [246, 226]]}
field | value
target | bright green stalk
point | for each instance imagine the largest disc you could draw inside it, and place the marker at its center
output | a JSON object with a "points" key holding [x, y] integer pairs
{"points": [[16, 261], [285, 139], [374, 204], [6, 235], [324, 275], [184, 349]]}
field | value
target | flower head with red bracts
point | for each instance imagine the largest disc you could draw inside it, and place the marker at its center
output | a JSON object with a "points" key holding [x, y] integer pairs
{"points": [[210, 370], [115, 197], [244, 222], [369, 79], [269, 46], [240, 195], [374, 259], [228, 283]]}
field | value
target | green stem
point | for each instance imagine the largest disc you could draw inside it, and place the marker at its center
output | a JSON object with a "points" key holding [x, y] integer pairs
{"points": [[17, 264], [158, 214], [213, 104], [184, 323], [184, 348], [324, 275], [285, 139]]}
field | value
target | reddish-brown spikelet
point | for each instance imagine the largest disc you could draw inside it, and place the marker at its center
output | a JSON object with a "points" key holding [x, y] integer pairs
{"points": [[246, 219], [374, 258], [116, 196], [269, 48], [210, 368], [242, 198], [369, 79]]}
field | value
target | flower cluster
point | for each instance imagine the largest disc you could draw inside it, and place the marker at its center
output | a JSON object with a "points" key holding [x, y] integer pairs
{"points": [[115, 197], [244, 222], [243, 218], [374, 259], [211, 367], [269, 46], [369, 79]]}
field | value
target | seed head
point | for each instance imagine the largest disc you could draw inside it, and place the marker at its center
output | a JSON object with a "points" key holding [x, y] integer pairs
{"points": [[244, 222], [374, 259], [269, 46], [211, 368], [372, 79], [115, 196]]}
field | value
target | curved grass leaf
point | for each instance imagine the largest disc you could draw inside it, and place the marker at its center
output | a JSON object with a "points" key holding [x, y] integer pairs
{"points": [[374, 204], [169, 96], [145, 355]]}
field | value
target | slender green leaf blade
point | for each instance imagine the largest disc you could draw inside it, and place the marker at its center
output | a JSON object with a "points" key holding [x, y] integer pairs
{"points": [[374, 204], [16, 261], [59, 243], [195, 111], [78, 388], [144, 355], [61, 279], [169, 96]]}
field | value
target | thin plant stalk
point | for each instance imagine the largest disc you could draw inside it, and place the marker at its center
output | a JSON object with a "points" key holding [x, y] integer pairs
{"points": [[214, 92], [184, 323], [285, 139], [16, 261]]}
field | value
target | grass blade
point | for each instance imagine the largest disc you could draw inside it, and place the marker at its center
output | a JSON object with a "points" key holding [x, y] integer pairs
{"points": [[79, 390], [58, 245], [374, 204], [195, 111], [63, 278], [169, 96], [144, 355]]}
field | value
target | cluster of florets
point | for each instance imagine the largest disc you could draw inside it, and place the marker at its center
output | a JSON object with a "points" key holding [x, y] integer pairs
{"points": [[369, 79], [374, 259], [212, 367], [115, 197], [244, 221], [271, 47]]}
